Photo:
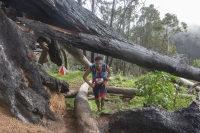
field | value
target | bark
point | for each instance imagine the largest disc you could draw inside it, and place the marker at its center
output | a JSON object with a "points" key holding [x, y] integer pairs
{"points": [[77, 54], [92, 7], [188, 83], [111, 89], [43, 57], [44, 52], [111, 22], [55, 52], [119, 49], [85, 119], [64, 14], [65, 57], [52, 47], [96, 36], [194, 86], [156, 120], [22, 81], [119, 90]]}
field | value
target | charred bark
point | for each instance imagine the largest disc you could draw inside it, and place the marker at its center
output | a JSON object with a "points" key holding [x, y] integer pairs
{"points": [[119, 49], [156, 120], [65, 14], [96, 36], [21, 79], [54, 52]]}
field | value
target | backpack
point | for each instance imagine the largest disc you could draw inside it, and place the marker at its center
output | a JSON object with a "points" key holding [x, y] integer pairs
{"points": [[93, 69]]}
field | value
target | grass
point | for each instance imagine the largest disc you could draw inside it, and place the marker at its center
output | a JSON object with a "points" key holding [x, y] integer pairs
{"points": [[70, 102], [74, 79]]}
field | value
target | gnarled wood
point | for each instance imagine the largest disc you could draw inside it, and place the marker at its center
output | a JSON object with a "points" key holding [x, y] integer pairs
{"points": [[156, 120], [22, 81]]}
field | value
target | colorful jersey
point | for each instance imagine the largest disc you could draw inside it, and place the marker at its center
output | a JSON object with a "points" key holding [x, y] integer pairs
{"points": [[98, 76]]}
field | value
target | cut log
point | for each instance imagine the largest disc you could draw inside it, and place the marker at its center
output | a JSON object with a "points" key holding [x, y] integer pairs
{"points": [[156, 120], [188, 83], [22, 81], [85, 119], [120, 49], [120, 90], [111, 89]]}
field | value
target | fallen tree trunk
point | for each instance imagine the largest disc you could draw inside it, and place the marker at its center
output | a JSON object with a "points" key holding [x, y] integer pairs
{"points": [[66, 14], [111, 89], [84, 117], [96, 36], [22, 81], [156, 120], [188, 83], [123, 50], [120, 90]]}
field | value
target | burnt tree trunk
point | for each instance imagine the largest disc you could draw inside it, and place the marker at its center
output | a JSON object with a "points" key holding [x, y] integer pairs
{"points": [[119, 49], [156, 120], [96, 35], [22, 81], [85, 119]]}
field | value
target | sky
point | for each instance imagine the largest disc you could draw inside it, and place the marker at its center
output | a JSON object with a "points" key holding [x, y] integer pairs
{"points": [[186, 10]]}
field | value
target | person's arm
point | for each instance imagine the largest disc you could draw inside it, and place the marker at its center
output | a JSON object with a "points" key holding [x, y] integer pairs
{"points": [[105, 83], [87, 72]]}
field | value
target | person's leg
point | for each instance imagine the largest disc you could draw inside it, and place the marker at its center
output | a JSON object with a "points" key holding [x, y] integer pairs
{"points": [[103, 92], [97, 96]]}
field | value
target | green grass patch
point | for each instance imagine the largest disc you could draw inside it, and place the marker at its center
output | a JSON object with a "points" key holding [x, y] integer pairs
{"points": [[70, 103], [137, 102], [74, 79]]}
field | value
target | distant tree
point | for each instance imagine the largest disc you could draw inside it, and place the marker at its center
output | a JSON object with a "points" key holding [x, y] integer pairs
{"points": [[172, 27]]}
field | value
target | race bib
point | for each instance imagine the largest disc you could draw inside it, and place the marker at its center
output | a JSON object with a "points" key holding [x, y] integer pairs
{"points": [[99, 80]]}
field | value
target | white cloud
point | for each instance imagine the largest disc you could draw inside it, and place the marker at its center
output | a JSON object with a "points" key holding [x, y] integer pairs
{"points": [[186, 11]]}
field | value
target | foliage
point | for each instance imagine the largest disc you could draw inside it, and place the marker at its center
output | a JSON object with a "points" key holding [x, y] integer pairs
{"points": [[70, 102], [157, 89], [121, 81], [142, 25], [137, 102], [74, 78], [182, 102], [196, 63]]}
